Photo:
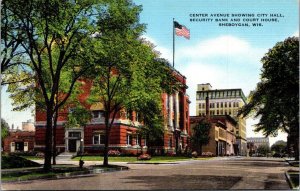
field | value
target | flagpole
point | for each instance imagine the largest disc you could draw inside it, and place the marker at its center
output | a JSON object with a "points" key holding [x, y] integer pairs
{"points": [[173, 42]]}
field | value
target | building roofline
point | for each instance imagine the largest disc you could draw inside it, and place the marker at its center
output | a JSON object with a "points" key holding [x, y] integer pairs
{"points": [[216, 90]]}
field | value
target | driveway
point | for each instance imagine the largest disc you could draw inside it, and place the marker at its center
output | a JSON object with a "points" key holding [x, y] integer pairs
{"points": [[219, 173]]}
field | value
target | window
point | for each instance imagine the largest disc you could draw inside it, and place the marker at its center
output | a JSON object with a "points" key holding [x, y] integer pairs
{"points": [[99, 139], [98, 114], [229, 104], [221, 104], [74, 134], [129, 139], [225, 104], [137, 141], [129, 115], [200, 105], [221, 112], [217, 104], [217, 112], [170, 142]]}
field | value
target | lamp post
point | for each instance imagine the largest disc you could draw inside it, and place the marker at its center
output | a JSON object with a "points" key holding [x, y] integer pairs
{"points": [[81, 146], [81, 162]]}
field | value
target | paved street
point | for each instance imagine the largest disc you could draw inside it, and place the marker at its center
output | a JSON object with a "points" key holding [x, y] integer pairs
{"points": [[219, 173]]}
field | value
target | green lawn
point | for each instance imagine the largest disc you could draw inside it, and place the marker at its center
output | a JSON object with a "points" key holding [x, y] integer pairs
{"points": [[134, 159], [33, 158], [32, 175], [12, 161]]}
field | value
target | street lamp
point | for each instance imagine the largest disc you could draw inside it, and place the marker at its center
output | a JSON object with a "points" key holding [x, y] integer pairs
{"points": [[81, 146], [81, 162]]}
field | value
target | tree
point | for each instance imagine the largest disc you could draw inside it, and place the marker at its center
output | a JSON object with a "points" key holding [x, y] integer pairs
{"points": [[4, 129], [276, 98], [279, 147], [263, 149], [57, 38], [11, 39], [127, 75], [200, 135], [152, 128]]}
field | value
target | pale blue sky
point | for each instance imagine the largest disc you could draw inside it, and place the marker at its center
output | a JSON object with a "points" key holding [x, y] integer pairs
{"points": [[225, 57]]}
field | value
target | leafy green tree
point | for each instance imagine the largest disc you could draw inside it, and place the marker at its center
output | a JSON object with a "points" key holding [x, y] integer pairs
{"points": [[276, 98], [11, 39], [279, 147], [263, 149], [57, 38], [127, 74], [200, 135], [152, 127], [4, 129]]}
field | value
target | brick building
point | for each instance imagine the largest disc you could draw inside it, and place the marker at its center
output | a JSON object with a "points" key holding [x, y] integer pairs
{"points": [[222, 134], [123, 135], [224, 102], [19, 141]]}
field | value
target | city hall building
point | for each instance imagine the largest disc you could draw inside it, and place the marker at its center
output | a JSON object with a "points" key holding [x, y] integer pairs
{"points": [[224, 102], [124, 135]]}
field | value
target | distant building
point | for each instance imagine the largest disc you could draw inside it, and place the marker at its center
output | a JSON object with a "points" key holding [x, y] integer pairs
{"points": [[223, 102], [28, 126], [258, 141], [19, 141], [222, 134]]}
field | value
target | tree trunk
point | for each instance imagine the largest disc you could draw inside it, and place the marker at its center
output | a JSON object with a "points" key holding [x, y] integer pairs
{"points": [[54, 138], [105, 160], [107, 132], [200, 150], [48, 140]]}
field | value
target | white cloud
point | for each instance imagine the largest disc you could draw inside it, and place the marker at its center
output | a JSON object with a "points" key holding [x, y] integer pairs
{"points": [[164, 52], [223, 45], [197, 73]]}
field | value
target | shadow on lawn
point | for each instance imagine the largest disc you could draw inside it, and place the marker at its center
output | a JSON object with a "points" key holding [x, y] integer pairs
{"points": [[186, 181]]}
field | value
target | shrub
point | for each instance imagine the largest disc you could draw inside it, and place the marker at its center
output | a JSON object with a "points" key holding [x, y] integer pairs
{"points": [[207, 154], [144, 157], [194, 154], [114, 153], [39, 154], [171, 154]]}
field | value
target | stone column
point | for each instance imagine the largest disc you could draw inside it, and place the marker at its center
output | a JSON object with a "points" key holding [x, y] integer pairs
{"points": [[176, 111], [166, 104], [171, 112]]}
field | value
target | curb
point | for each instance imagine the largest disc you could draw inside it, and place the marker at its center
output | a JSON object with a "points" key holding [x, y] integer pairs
{"points": [[156, 163], [87, 173], [292, 186]]}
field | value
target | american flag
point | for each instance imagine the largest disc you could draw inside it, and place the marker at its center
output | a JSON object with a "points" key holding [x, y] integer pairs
{"points": [[181, 30]]}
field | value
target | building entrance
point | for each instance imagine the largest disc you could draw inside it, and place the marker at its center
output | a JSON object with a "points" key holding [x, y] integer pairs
{"points": [[72, 145]]}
